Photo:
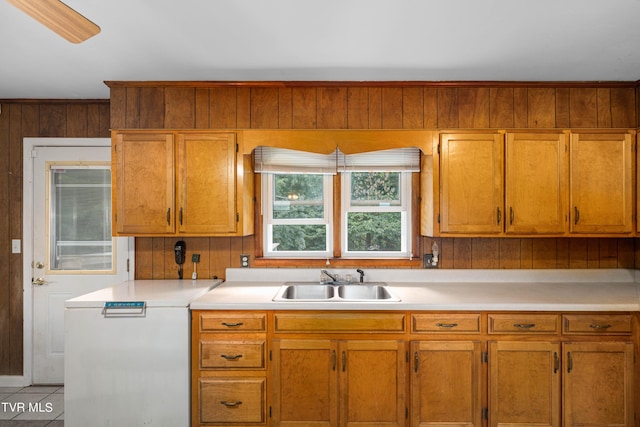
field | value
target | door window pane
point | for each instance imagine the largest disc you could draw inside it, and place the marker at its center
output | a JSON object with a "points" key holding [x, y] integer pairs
{"points": [[80, 218]]}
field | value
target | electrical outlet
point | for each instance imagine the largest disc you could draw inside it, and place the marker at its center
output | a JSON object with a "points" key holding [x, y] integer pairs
{"points": [[427, 261], [244, 261], [195, 258]]}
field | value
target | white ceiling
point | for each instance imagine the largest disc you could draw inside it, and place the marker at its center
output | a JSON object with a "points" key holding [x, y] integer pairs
{"points": [[321, 40]]}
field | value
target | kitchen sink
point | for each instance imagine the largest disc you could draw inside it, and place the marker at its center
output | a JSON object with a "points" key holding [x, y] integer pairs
{"points": [[317, 292]]}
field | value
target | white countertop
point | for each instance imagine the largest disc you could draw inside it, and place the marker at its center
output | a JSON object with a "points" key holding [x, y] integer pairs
{"points": [[523, 290], [155, 293]]}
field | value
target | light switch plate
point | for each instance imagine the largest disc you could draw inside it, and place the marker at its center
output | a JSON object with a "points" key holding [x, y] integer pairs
{"points": [[16, 246]]}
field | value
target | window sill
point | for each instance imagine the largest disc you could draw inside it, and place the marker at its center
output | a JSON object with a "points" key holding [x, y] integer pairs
{"points": [[337, 262]]}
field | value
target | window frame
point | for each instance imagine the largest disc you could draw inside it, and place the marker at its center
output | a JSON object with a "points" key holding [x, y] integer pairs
{"points": [[405, 208], [268, 221]]}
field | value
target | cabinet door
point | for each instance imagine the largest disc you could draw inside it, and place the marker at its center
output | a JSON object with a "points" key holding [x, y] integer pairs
{"points": [[143, 183], [305, 384], [471, 183], [372, 383], [601, 183], [207, 183], [598, 384], [524, 384], [445, 384], [536, 183]]}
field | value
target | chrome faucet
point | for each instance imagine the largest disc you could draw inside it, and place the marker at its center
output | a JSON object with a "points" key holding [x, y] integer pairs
{"points": [[324, 274]]}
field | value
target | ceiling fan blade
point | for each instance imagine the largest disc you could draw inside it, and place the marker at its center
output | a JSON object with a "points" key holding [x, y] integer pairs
{"points": [[60, 18]]}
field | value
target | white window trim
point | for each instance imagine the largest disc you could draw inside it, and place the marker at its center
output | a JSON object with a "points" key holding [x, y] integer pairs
{"points": [[269, 221], [404, 208]]}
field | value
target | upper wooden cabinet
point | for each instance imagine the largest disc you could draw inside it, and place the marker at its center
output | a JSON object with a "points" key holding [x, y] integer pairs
{"points": [[601, 182], [471, 183], [536, 182], [546, 183], [185, 183]]}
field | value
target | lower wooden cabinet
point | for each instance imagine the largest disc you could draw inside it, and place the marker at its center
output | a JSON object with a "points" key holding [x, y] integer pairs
{"points": [[319, 382], [446, 386], [413, 369], [524, 383], [598, 384]]}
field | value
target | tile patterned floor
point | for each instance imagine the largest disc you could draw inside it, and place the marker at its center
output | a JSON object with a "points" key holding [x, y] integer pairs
{"points": [[34, 406]]}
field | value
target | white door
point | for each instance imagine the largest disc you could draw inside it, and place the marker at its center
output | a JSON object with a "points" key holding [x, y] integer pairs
{"points": [[73, 251]]}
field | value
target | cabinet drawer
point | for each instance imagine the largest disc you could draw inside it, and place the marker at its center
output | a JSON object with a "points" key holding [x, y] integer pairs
{"points": [[449, 323], [339, 322], [232, 400], [244, 322], [596, 324], [523, 323], [232, 354]]}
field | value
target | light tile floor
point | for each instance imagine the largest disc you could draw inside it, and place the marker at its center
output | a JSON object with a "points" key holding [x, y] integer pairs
{"points": [[34, 406]]}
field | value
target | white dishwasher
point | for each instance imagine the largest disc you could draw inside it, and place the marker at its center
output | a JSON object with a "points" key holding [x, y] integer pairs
{"points": [[127, 353]]}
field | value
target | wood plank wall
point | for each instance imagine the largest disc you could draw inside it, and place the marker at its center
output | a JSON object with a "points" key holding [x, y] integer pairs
{"points": [[201, 105], [18, 120]]}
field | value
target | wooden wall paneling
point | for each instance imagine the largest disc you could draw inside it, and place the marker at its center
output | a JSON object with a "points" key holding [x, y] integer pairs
{"points": [[623, 105], [223, 108], [541, 108], [53, 121], [375, 108], [358, 108], [473, 107], [578, 253], [264, 108], [412, 108], [202, 108], [144, 258], [593, 253], [236, 249], [563, 108], [584, 107], [285, 108], [501, 108], [520, 107], [304, 107], [5, 248], [485, 253], [151, 108], [626, 253], [604, 107], [198, 245], [448, 107], [332, 107], [30, 120], [510, 253], [132, 120], [526, 253], [430, 108], [544, 253], [98, 122], [158, 256], [446, 252], [220, 256], [392, 108], [243, 112], [77, 120], [608, 253], [462, 253], [179, 108], [118, 107], [562, 253]]}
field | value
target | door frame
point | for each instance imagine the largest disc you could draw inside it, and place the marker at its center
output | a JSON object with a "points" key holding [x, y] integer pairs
{"points": [[29, 145]]}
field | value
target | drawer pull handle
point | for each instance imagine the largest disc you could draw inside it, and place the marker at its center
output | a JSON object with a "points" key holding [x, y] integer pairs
{"points": [[228, 357], [232, 325], [594, 326], [446, 325], [231, 404], [524, 325]]}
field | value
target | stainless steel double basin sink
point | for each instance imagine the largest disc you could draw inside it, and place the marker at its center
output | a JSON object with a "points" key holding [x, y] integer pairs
{"points": [[318, 292]]}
